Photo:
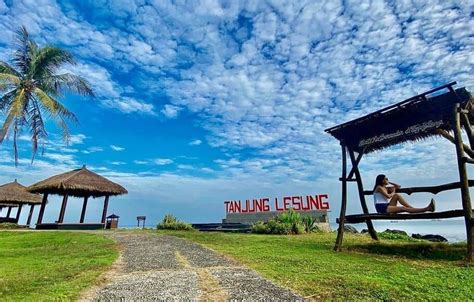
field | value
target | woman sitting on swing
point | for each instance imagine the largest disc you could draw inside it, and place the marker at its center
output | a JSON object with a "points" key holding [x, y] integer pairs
{"points": [[386, 199]]}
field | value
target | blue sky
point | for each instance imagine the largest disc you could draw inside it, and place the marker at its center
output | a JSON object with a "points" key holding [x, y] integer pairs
{"points": [[202, 101]]}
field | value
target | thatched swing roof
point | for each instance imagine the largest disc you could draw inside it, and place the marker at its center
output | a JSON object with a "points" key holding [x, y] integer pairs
{"points": [[13, 194], [79, 183], [416, 118]]}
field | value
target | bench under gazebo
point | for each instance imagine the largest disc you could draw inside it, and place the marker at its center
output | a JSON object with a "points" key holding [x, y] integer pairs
{"points": [[441, 112], [15, 195], [81, 183]]}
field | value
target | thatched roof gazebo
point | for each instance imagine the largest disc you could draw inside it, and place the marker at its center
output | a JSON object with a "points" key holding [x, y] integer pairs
{"points": [[81, 183], [14, 194], [441, 112]]}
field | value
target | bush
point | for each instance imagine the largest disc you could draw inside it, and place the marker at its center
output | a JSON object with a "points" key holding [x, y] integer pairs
{"points": [[8, 225], [259, 228], [170, 222], [309, 224], [286, 223]]}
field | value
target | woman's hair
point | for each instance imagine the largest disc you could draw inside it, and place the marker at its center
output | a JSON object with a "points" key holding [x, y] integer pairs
{"points": [[379, 180]]}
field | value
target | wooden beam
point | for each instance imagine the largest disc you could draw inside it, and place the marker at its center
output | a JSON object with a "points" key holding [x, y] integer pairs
{"points": [[360, 190], [429, 189], [104, 211], [43, 206], [468, 160], [409, 216], [467, 126], [9, 212], [448, 136], [18, 213], [355, 165], [83, 212], [463, 179], [30, 214], [340, 230], [63, 209]]}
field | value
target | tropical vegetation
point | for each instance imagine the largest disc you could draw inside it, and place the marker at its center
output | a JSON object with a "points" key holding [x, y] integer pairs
{"points": [[170, 222], [30, 88], [288, 222]]}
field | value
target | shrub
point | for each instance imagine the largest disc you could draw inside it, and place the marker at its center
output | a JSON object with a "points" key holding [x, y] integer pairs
{"points": [[281, 228], [170, 222], [259, 228], [8, 225], [309, 224]]}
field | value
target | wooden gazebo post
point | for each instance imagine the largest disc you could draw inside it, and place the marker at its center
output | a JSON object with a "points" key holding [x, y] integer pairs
{"points": [[466, 198], [104, 211], [18, 212], [83, 212], [42, 207], [342, 215], [63, 209], [30, 214], [9, 212]]}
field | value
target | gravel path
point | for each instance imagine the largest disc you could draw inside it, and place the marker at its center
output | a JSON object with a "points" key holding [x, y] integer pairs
{"points": [[157, 268]]}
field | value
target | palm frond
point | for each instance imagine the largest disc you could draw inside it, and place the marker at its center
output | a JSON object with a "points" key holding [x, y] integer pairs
{"points": [[67, 82], [53, 107], [22, 55], [47, 60], [7, 99], [8, 80], [37, 128], [6, 68], [15, 113]]}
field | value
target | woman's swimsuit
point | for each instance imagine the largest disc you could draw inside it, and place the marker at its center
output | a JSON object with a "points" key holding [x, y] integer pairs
{"points": [[381, 202]]}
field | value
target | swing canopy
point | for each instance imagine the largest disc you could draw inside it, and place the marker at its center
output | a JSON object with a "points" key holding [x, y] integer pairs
{"points": [[416, 118]]}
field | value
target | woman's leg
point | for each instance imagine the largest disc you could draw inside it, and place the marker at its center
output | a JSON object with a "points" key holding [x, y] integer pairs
{"points": [[395, 209], [401, 200]]}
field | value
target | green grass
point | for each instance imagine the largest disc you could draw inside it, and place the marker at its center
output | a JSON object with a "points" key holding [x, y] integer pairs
{"points": [[364, 270], [51, 266]]}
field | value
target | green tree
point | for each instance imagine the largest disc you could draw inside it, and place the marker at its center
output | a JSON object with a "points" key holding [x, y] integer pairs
{"points": [[30, 88]]}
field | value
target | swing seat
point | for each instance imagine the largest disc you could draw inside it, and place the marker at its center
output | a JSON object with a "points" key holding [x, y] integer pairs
{"points": [[359, 218]]}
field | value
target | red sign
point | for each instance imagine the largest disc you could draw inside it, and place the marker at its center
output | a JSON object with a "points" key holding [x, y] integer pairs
{"points": [[298, 203]]}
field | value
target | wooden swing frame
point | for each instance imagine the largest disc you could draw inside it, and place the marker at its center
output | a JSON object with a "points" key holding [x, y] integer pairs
{"points": [[460, 118]]}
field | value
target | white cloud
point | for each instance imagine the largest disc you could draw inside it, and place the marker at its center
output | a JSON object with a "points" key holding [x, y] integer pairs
{"points": [[162, 161], [117, 163], [117, 148], [195, 142], [77, 139], [140, 162], [170, 111], [92, 149], [129, 105]]}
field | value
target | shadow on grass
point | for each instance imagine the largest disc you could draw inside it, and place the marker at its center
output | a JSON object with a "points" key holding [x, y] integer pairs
{"points": [[415, 250]]}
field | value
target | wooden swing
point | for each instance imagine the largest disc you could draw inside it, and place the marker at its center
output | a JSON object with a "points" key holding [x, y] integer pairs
{"points": [[432, 113]]}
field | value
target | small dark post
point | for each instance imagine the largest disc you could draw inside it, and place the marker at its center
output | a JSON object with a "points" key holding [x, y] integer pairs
{"points": [[466, 199], [28, 221], [360, 188], [63, 209], [9, 212], [18, 213], [43, 206], [141, 218], [104, 212], [83, 212], [340, 230]]}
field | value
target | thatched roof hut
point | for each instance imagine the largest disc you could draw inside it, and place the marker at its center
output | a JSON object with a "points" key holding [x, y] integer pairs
{"points": [[14, 194], [78, 183]]}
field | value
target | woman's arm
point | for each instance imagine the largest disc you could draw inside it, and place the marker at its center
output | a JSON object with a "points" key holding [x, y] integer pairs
{"points": [[397, 186], [384, 192]]}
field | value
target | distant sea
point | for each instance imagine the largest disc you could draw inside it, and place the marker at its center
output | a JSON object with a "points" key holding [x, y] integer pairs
{"points": [[452, 229]]}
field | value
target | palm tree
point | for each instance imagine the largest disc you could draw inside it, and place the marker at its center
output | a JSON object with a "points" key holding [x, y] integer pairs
{"points": [[30, 88]]}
